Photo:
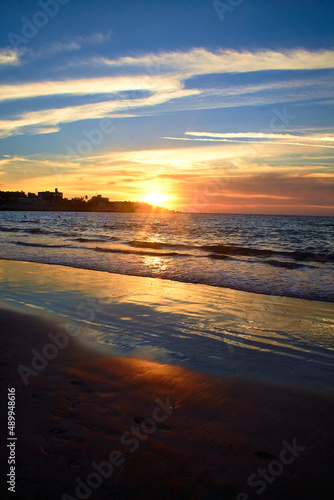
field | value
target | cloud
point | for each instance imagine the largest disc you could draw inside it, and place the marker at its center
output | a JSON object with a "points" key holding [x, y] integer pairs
{"points": [[260, 192], [9, 57], [66, 45], [165, 82], [209, 183], [213, 161], [200, 61], [97, 38], [258, 138], [250, 135], [45, 130], [250, 142], [89, 86], [16, 160], [55, 116]]}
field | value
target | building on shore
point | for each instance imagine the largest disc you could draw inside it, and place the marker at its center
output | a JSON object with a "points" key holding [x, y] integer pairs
{"points": [[49, 197], [54, 201]]}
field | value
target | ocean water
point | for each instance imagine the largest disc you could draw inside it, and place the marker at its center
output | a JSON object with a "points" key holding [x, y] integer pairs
{"points": [[274, 255]]}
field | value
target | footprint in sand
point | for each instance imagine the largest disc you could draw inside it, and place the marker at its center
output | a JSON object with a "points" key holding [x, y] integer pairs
{"points": [[58, 433], [72, 439], [43, 393], [265, 456], [162, 427], [66, 415], [47, 451], [74, 461], [73, 402], [80, 386]]}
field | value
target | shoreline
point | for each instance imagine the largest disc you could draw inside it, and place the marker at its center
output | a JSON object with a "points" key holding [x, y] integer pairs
{"points": [[179, 433], [211, 285], [209, 329], [209, 213]]}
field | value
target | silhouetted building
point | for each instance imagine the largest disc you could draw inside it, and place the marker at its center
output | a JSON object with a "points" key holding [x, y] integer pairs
{"points": [[49, 197], [99, 201], [49, 201]]}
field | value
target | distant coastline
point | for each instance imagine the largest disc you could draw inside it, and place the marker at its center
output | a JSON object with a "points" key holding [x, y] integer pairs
{"points": [[48, 201]]}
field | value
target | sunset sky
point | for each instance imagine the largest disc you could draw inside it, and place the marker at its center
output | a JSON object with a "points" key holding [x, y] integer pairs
{"points": [[212, 106]]}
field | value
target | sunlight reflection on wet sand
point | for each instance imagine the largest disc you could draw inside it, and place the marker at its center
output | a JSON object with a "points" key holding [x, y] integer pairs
{"points": [[211, 329]]}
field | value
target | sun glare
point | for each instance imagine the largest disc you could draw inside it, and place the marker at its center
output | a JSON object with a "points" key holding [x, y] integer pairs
{"points": [[156, 199]]}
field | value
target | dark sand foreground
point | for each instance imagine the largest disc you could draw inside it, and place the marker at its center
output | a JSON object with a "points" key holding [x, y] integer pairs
{"points": [[204, 438]]}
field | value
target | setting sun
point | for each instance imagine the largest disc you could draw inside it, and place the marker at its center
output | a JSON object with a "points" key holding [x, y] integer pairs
{"points": [[156, 199]]}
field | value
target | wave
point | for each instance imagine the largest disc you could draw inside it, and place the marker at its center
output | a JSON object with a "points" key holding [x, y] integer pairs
{"points": [[117, 225], [95, 240], [297, 255], [10, 229], [217, 256], [150, 244], [134, 252], [38, 230], [28, 221], [41, 245], [286, 265], [34, 230]]}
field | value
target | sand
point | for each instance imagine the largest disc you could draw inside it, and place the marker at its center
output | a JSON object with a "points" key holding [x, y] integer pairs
{"points": [[162, 431]]}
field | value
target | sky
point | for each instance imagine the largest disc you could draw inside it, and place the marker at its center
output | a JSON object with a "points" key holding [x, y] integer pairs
{"points": [[196, 105]]}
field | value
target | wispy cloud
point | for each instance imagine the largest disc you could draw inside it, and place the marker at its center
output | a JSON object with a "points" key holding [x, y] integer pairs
{"points": [[9, 57], [166, 79], [94, 39], [258, 137], [49, 130], [16, 160], [55, 116], [89, 86], [249, 135], [68, 44], [201, 61]]}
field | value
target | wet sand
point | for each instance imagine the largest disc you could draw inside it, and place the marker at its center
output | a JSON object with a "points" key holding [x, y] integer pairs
{"points": [[209, 329], [167, 432]]}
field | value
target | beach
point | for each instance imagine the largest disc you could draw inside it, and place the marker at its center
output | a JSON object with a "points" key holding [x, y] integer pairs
{"points": [[137, 420]]}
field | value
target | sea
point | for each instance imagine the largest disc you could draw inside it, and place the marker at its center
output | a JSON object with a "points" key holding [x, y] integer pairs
{"points": [[290, 256]]}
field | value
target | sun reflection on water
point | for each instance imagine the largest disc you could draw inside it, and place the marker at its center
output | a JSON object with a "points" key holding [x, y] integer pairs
{"points": [[155, 264]]}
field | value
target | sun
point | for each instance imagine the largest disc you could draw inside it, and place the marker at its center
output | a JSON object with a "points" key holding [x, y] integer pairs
{"points": [[156, 199]]}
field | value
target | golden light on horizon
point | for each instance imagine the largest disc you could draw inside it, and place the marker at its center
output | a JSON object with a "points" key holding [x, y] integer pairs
{"points": [[156, 198]]}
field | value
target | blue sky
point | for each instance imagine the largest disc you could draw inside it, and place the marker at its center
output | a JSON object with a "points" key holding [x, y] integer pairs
{"points": [[211, 106]]}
